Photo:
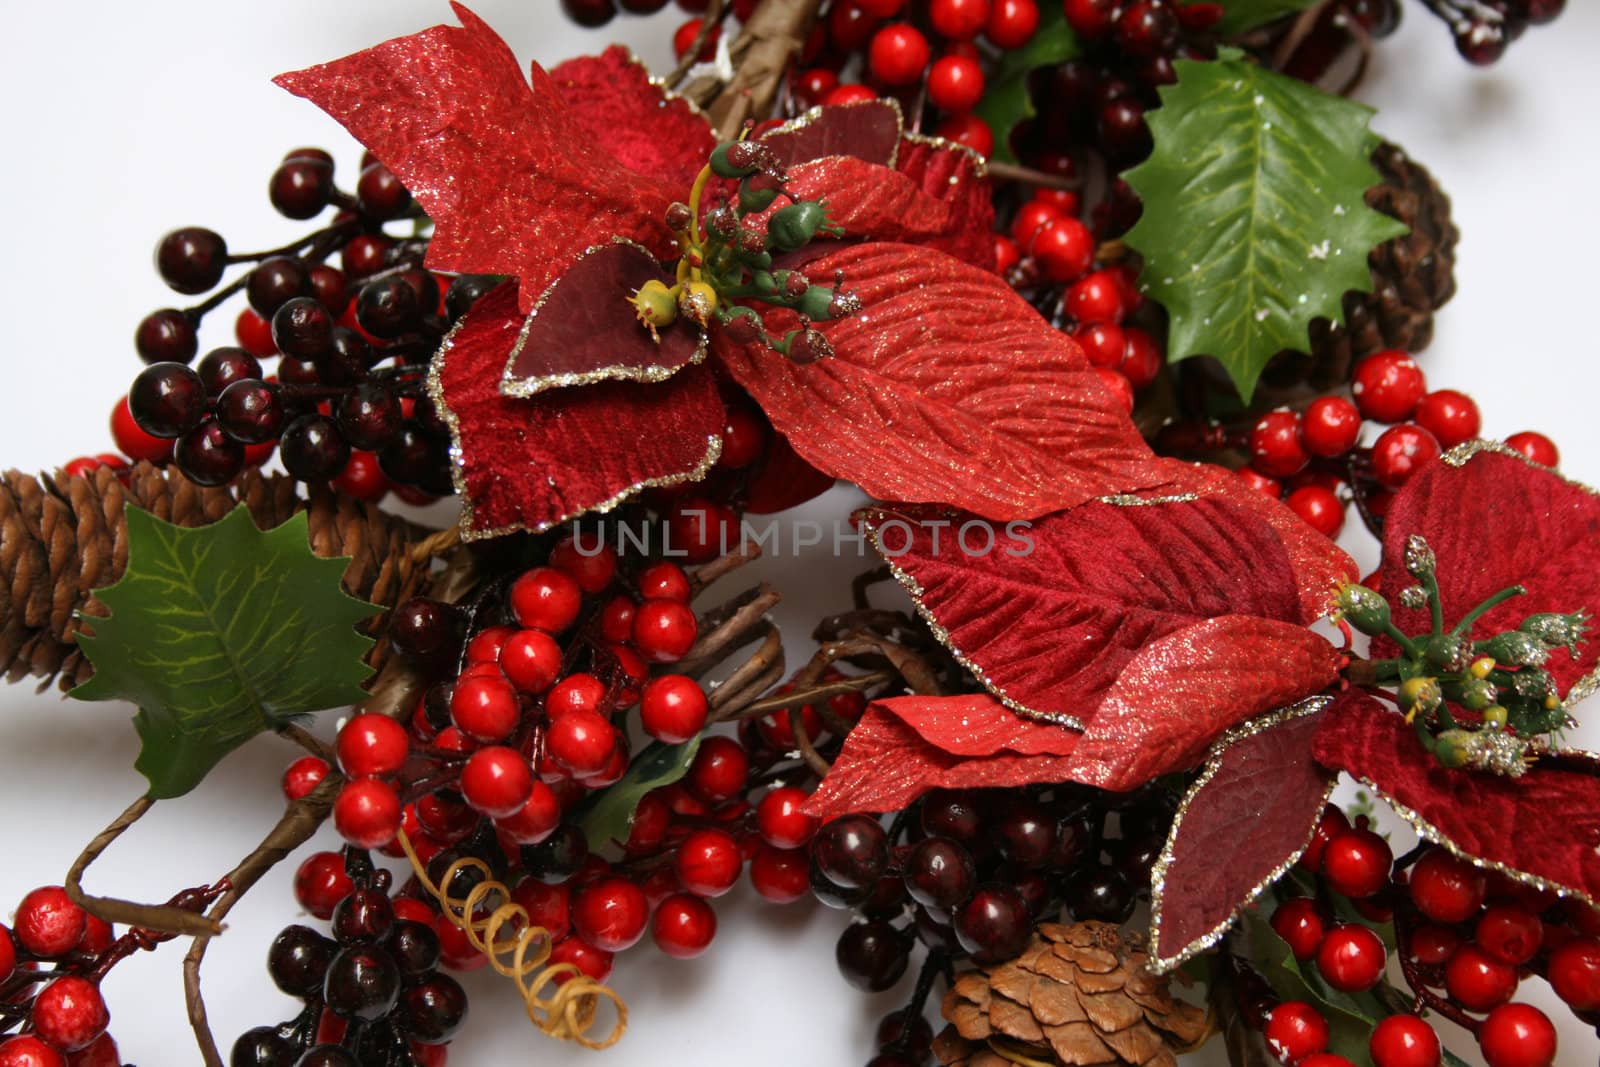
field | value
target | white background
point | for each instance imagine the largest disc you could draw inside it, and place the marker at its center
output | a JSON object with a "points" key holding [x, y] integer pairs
{"points": [[126, 120]]}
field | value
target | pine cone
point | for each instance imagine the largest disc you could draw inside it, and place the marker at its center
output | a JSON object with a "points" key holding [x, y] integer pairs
{"points": [[1078, 996], [1412, 277], [62, 537]]}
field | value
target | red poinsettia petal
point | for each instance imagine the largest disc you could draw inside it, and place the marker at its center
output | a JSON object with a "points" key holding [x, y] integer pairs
{"points": [[949, 388], [1257, 803], [975, 724], [783, 480], [633, 119], [1493, 520], [531, 464], [868, 130], [1542, 829], [1046, 614], [1184, 690], [885, 764], [954, 175], [583, 330], [507, 173]]}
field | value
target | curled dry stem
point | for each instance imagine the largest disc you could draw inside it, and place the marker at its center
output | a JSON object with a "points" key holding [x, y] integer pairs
{"points": [[162, 918]]}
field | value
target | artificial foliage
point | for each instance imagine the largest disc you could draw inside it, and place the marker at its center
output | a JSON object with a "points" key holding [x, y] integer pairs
{"points": [[1110, 309]]}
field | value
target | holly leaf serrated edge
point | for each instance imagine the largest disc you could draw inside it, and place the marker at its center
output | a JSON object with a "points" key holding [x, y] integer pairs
{"points": [[1006, 102], [611, 815], [1212, 123], [284, 644]]}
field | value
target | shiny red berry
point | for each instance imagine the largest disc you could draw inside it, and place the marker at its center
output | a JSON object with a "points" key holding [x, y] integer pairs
{"points": [[1090, 18], [485, 707], [536, 820], [1104, 344], [708, 863], [590, 960], [720, 770], [372, 744], [968, 131], [1404, 1041], [320, 883], [1330, 426], [1276, 448], [367, 812], [546, 599], [780, 821], [1329, 826], [1536, 446], [1476, 981], [1031, 218], [69, 1013], [958, 20], [684, 36], [663, 581], [48, 923], [848, 94], [1388, 386], [781, 875], [610, 914], [1093, 298], [1064, 248], [1509, 933], [497, 781], [25, 1050], [1401, 451], [1295, 1030], [663, 630], [530, 660], [1356, 863], [1319, 508], [672, 708], [683, 926], [549, 907], [576, 692], [132, 441], [1574, 973], [1517, 1035], [590, 561], [1260, 482], [1299, 922], [898, 55], [1012, 22], [582, 742], [955, 83], [1142, 360], [1450, 416], [1351, 958], [1447, 889], [699, 530]]}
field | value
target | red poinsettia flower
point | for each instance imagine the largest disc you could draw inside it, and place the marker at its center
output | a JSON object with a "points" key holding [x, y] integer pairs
{"points": [[1135, 641], [946, 387]]}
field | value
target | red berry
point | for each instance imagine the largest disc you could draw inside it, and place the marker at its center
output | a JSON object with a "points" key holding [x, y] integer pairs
{"points": [[1509, 933], [25, 1050], [1118, 385], [898, 54], [1574, 973], [1329, 826], [672, 708], [361, 478], [485, 707], [1536, 446], [1447, 889], [302, 776], [958, 20], [708, 863], [102, 1052], [1330, 426], [780, 875], [1090, 18], [1275, 445], [549, 907], [530, 660], [1104, 344], [968, 131], [1064, 248], [684, 926], [546, 599], [1450, 416], [1260, 482], [720, 770], [372, 744], [1095, 298], [1477, 982], [651, 821], [1401, 451], [367, 812], [1319, 508], [781, 822], [1351, 958], [48, 923], [701, 530], [487, 644], [610, 914], [1404, 1041], [592, 961], [1012, 22], [1388, 385], [320, 882], [591, 563], [133, 441], [848, 94], [254, 334], [955, 83], [882, 9], [1030, 219], [663, 630], [576, 692], [536, 819], [616, 619], [1357, 862], [582, 742], [744, 438], [662, 581], [776, 731], [1005, 253], [1063, 200], [1300, 924], [497, 781], [1295, 1030], [813, 85], [1517, 1035], [455, 949], [684, 36], [70, 1013]]}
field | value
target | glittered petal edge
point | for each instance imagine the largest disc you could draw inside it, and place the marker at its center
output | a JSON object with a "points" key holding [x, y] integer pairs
{"points": [[811, 115], [1158, 871]]}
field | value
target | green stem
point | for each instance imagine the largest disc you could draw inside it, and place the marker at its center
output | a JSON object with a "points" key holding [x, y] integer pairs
{"points": [[1430, 583], [1408, 645], [1478, 612]]}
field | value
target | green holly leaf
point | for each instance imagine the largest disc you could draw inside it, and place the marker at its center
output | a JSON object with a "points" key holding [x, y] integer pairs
{"points": [[1254, 218], [219, 633], [1242, 15], [1006, 101], [611, 815]]}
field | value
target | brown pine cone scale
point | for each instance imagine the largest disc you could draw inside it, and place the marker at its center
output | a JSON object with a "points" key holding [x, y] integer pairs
{"points": [[1077, 996]]}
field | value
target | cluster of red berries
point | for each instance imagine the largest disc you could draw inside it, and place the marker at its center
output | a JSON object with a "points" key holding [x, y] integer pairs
{"points": [[65, 1015], [1303, 456]]}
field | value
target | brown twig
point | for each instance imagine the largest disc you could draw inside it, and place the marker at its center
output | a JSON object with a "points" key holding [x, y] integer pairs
{"points": [[731, 625], [761, 55], [749, 677], [722, 566], [797, 697], [709, 22], [309, 741], [1014, 172], [161, 918]]}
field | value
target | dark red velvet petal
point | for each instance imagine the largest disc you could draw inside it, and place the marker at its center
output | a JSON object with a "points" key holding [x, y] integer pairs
{"points": [[947, 387], [783, 480], [583, 330], [1244, 821], [1181, 693], [1496, 520], [869, 131], [1047, 614], [530, 464], [630, 117], [1542, 828], [953, 175], [885, 764], [507, 173]]}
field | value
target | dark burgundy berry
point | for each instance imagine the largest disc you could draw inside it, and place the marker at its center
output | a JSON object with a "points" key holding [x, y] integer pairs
{"points": [[303, 328], [872, 956], [432, 1011], [387, 307], [298, 960], [370, 416], [415, 948], [365, 915], [207, 456], [381, 194], [191, 260], [166, 336], [346, 360], [939, 873], [362, 982], [557, 857], [423, 630], [853, 852], [1026, 834], [275, 282], [250, 411], [415, 458], [263, 1047], [327, 1056], [590, 13], [465, 291], [1147, 28], [950, 814], [1101, 893], [167, 400], [831, 895], [301, 187], [312, 449], [994, 925], [221, 367]]}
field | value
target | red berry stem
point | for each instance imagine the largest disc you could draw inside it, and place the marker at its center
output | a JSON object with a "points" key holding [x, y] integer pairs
{"points": [[1426, 999]]}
